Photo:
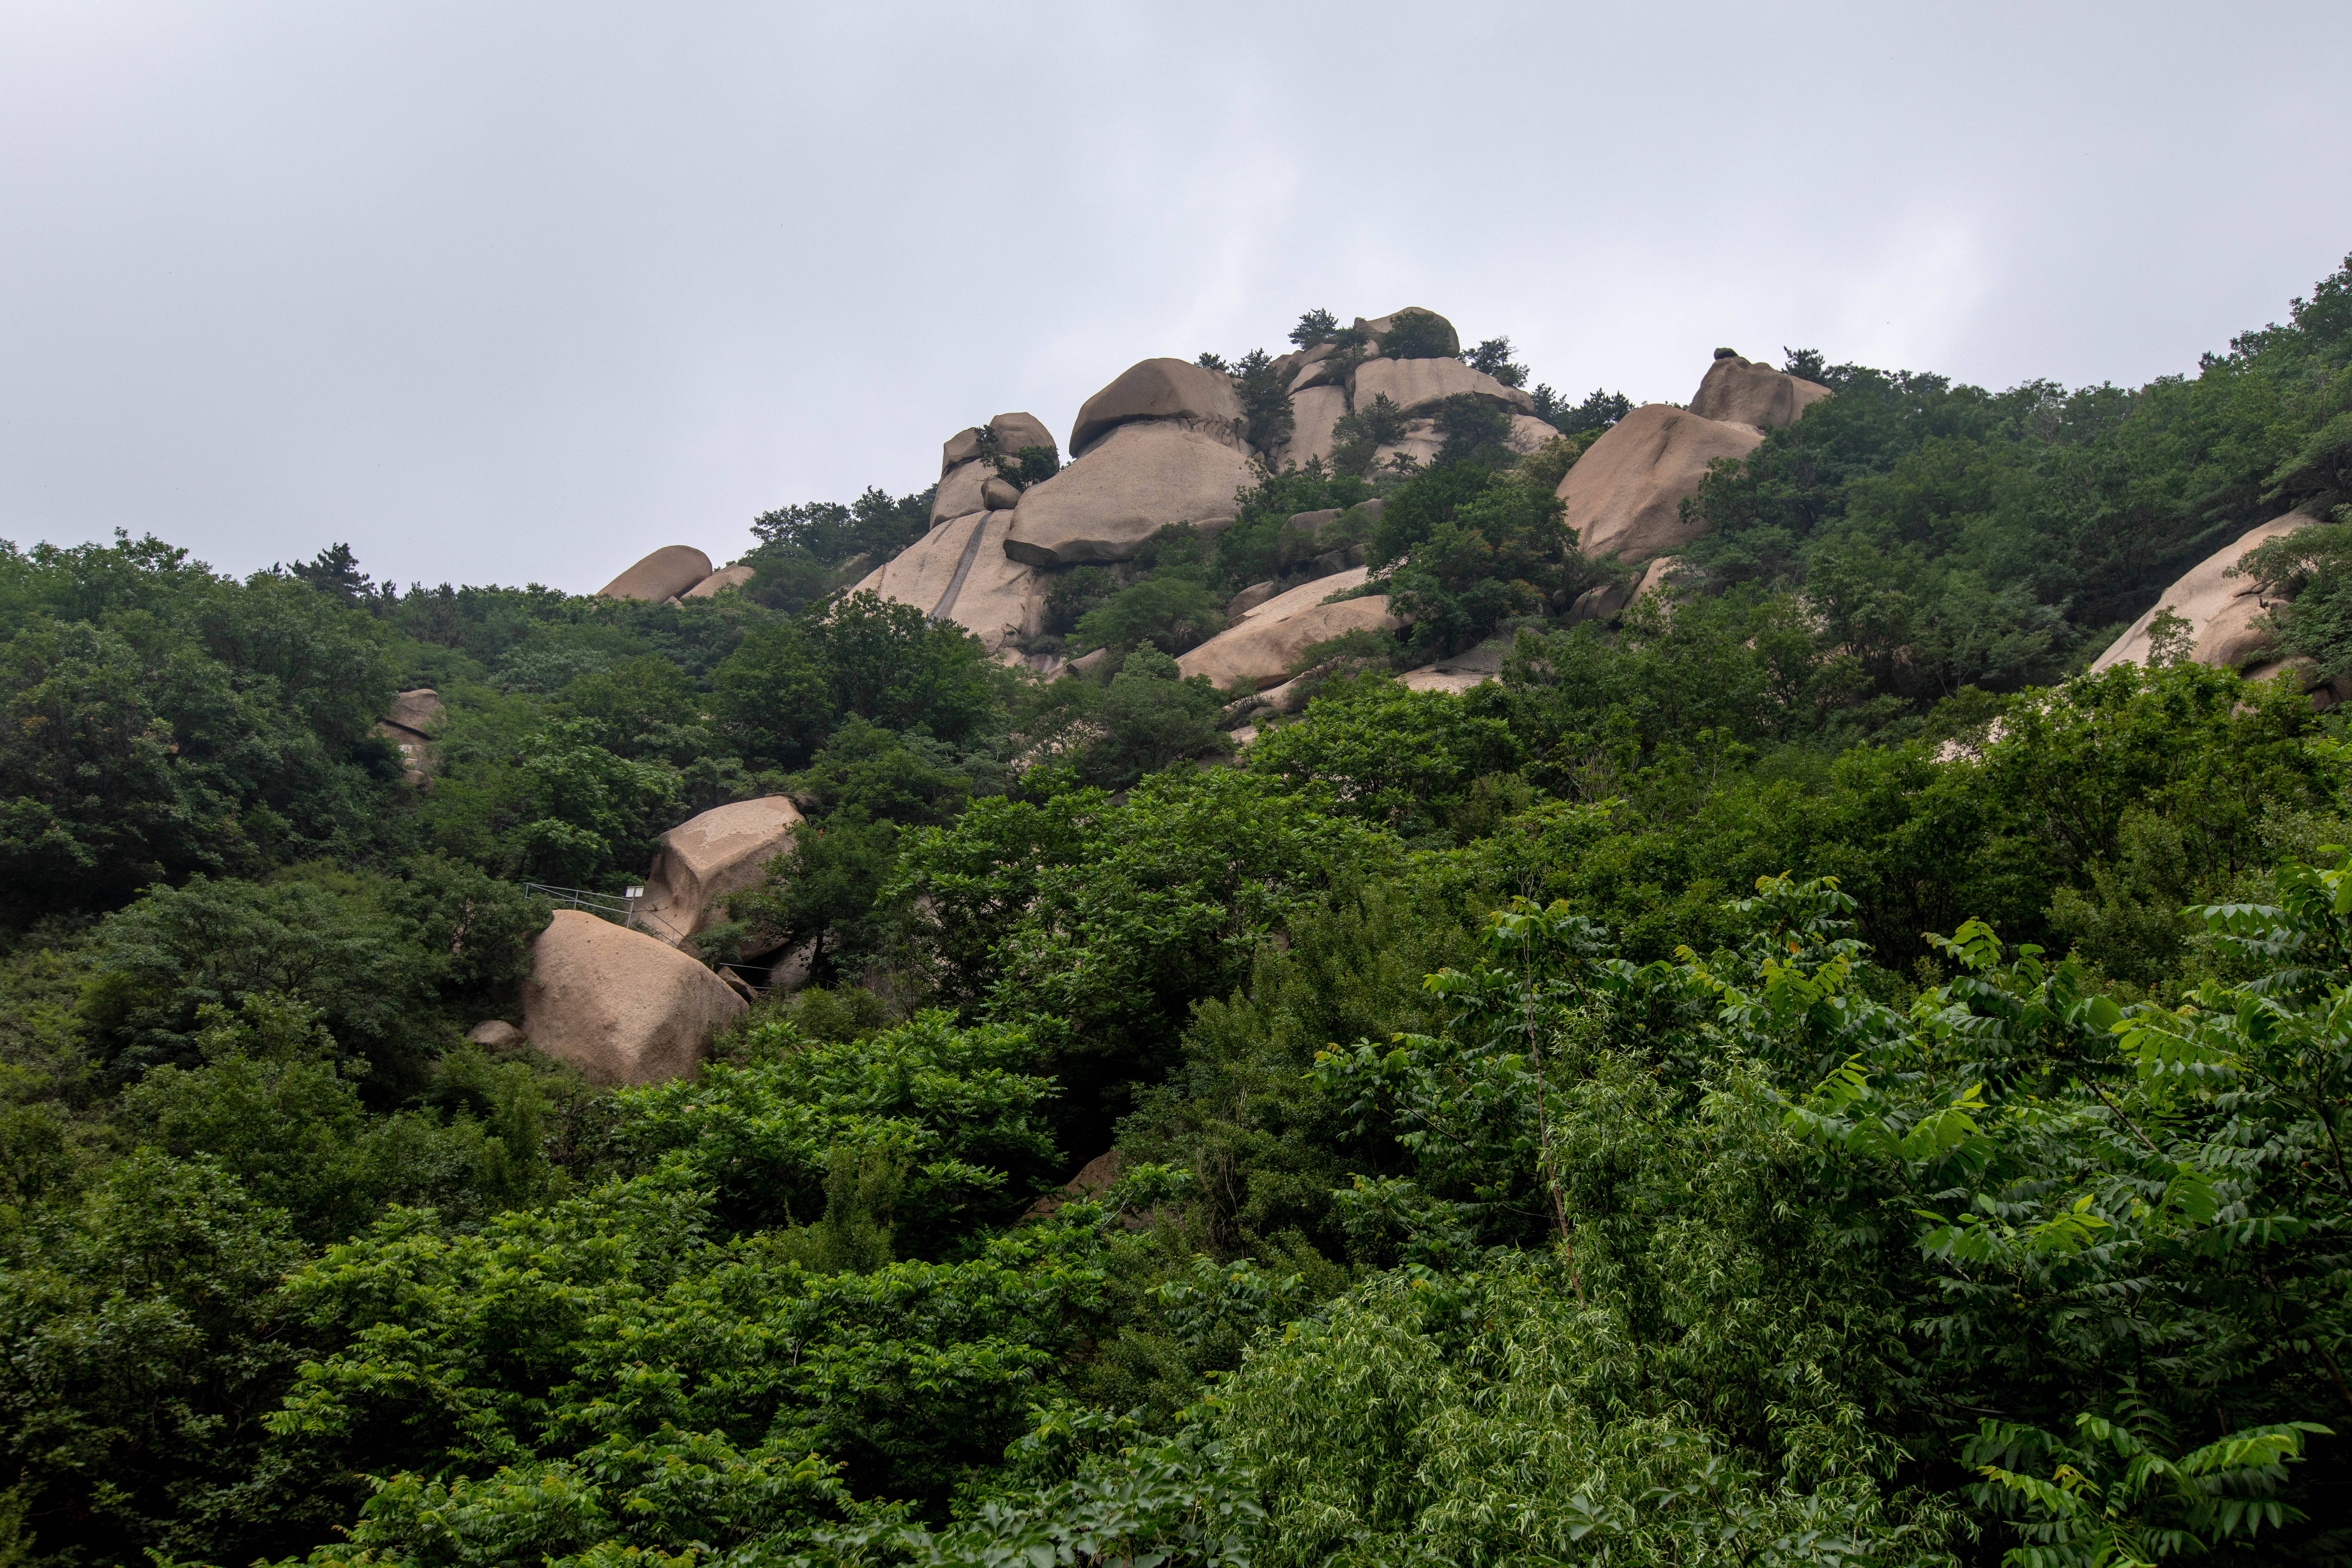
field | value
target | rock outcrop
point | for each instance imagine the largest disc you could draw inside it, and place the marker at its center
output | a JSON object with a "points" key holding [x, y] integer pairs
{"points": [[619, 1005], [1127, 484], [1260, 649], [1418, 385], [1742, 392], [1314, 413], [960, 571], [725, 577], [1625, 496], [665, 575], [1378, 327], [1161, 389], [409, 724], [968, 470], [496, 1035], [2225, 614], [704, 859]]}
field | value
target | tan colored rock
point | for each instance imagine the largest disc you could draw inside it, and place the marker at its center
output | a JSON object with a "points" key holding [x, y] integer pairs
{"points": [[993, 596], [704, 859], [419, 709], [1248, 599], [1160, 389], [496, 1035], [725, 577], [666, 573], [1260, 651], [1316, 413], [1528, 433], [922, 574], [1625, 496], [1741, 392], [960, 492], [1378, 327], [619, 1005], [1418, 385], [958, 449], [1014, 431], [1130, 484], [1421, 442], [1444, 677], [1308, 367], [2224, 613], [998, 494]]}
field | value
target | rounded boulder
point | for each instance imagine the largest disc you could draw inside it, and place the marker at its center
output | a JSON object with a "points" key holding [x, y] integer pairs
{"points": [[724, 850], [1159, 389], [665, 575], [1130, 484], [1625, 494], [619, 1005], [1741, 392]]}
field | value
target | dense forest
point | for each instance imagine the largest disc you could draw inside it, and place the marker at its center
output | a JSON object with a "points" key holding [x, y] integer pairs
{"points": [[1806, 1072]]}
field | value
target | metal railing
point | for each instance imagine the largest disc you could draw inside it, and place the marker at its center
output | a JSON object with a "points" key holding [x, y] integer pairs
{"points": [[620, 908]]}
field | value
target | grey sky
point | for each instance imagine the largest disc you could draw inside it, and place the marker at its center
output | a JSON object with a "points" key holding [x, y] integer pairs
{"points": [[509, 291]]}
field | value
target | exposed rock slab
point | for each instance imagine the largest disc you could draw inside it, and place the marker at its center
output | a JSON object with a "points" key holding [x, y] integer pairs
{"points": [[1418, 385], [725, 577], [2224, 613], [619, 1005], [921, 573], [1316, 413], [704, 859], [997, 599], [1625, 496], [1160, 389], [1528, 433], [1014, 431], [1741, 392], [665, 575], [958, 494], [1130, 483], [1260, 651], [1444, 677]]}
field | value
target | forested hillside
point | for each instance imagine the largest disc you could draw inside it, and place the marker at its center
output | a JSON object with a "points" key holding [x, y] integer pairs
{"points": [[1767, 1058]]}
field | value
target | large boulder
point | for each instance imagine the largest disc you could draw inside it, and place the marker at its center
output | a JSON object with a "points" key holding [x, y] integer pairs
{"points": [[409, 724], [1259, 650], [1421, 442], [616, 1004], [2225, 614], [958, 494], [1316, 412], [1418, 385], [1126, 485], [1446, 678], [1741, 392], [1161, 389], [706, 857], [1530, 434], [725, 577], [1014, 431], [1625, 494], [665, 575]]}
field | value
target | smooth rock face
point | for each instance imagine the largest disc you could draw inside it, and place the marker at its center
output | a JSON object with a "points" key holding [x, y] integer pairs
{"points": [[997, 494], [665, 575], [1014, 431], [1130, 484], [725, 577], [921, 573], [2224, 612], [496, 1033], [1528, 433], [706, 857], [959, 448], [1309, 367], [1741, 392], [1421, 442], [1248, 599], [1316, 412], [1260, 649], [999, 598], [959, 490], [1625, 496], [1159, 389], [1418, 385], [619, 1005]]}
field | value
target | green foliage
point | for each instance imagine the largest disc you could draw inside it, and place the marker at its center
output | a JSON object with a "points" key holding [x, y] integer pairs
{"points": [[1358, 433], [1599, 410], [1402, 759], [1418, 335], [1267, 417], [1151, 718], [1168, 611]]}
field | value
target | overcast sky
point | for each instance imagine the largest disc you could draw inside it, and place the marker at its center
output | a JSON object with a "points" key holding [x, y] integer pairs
{"points": [[501, 292]]}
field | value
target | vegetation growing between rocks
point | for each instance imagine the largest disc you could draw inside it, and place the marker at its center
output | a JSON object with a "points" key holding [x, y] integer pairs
{"points": [[1778, 1079]]}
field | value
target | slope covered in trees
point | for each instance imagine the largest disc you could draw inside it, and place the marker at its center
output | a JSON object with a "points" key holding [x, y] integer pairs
{"points": [[1801, 1073]]}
